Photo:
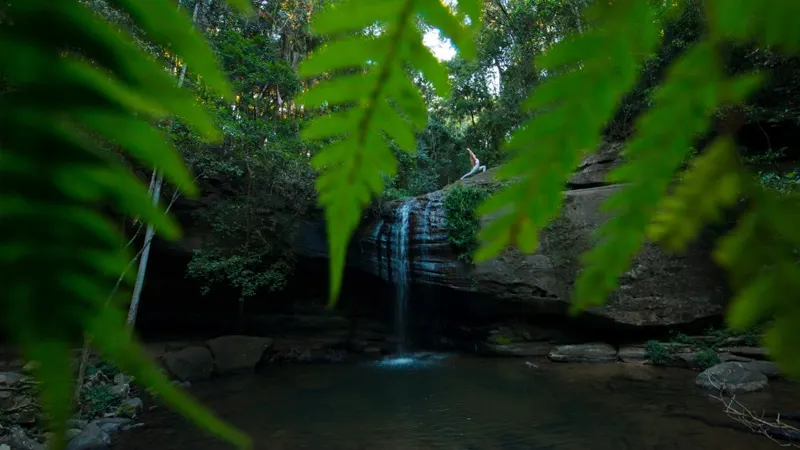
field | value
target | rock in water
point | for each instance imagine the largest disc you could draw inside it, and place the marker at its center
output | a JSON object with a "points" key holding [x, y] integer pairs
{"points": [[110, 424], [521, 349], [632, 354], [190, 364], [130, 408], [733, 377], [596, 352], [90, 438], [768, 368], [9, 379], [237, 353], [21, 441]]}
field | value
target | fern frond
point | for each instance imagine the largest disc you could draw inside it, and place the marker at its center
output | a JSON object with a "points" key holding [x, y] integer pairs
{"points": [[580, 102], [762, 262], [682, 110], [711, 185], [71, 76], [771, 22], [383, 103]]}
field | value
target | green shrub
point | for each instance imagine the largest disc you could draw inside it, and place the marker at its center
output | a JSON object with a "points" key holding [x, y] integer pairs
{"points": [[461, 221], [706, 358], [657, 353], [97, 400]]}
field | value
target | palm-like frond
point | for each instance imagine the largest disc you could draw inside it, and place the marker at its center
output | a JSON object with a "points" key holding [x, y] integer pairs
{"points": [[72, 76]]}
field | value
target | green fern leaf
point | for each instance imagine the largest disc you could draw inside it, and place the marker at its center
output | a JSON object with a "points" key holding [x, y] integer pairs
{"points": [[58, 251], [438, 15], [711, 185], [355, 15], [762, 265], [579, 103], [171, 27], [382, 101], [54, 373], [472, 9], [352, 51], [771, 22], [143, 142], [781, 340], [682, 110], [113, 51]]}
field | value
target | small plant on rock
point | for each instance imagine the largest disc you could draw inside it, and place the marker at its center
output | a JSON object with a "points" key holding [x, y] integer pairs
{"points": [[98, 400], [706, 358], [657, 353]]}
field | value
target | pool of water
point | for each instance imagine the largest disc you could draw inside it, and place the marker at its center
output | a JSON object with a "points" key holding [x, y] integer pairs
{"points": [[462, 403]]}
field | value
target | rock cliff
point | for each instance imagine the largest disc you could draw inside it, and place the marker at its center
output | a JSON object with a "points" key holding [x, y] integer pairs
{"points": [[659, 290]]}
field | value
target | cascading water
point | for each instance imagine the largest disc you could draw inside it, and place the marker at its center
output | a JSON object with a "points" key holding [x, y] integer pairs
{"points": [[400, 269]]}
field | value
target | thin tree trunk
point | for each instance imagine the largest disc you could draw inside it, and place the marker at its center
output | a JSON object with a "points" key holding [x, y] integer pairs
{"points": [[137, 288], [154, 189], [148, 237]]}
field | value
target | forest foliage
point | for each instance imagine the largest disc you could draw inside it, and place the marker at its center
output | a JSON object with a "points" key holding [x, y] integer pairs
{"points": [[351, 86], [461, 220]]}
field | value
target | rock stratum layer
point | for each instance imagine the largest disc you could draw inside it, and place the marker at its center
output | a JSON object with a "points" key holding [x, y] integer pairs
{"points": [[658, 290]]}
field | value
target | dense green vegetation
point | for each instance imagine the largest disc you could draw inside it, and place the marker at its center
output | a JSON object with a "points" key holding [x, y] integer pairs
{"points": [[704, 349], [297, 97], [461, 220]]}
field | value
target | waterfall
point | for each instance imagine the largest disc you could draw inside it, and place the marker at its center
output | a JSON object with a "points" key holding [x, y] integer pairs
{"points": [[401, 268]]}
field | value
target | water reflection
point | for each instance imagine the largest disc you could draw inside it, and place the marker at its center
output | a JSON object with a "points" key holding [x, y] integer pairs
{"points": [[458, 403]]}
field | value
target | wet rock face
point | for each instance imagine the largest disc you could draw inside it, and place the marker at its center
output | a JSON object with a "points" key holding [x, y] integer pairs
{"points": [[658, 290]]}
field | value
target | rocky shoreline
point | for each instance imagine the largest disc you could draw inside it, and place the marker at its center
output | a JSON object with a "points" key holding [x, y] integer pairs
{"points": [[108, 404], [111, 402]]}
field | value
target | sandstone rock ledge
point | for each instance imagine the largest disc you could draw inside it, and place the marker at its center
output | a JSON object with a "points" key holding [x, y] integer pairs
{"points": [[659, 290]]}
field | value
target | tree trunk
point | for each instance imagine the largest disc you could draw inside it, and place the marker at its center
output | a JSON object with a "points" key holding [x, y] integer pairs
{"points": [[148, 237], [154, 189]]}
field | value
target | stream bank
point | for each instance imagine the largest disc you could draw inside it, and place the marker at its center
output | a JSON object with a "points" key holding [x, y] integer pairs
{"points": [[237, 364]]}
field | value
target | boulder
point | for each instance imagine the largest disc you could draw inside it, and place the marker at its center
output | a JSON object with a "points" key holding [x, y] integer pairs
{"points": [[110, 424], [733, 377], [10, 379], [130, 408], [518, 349], [632, 354], [90, 438], [768, 368], [237, 353], [660, 289], [19, 440], [594, 352], [190, 364], [727, 357], [747, 352]]}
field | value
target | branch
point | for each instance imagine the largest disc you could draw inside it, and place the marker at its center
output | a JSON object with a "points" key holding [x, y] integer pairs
{"points": [[773, 429]]}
